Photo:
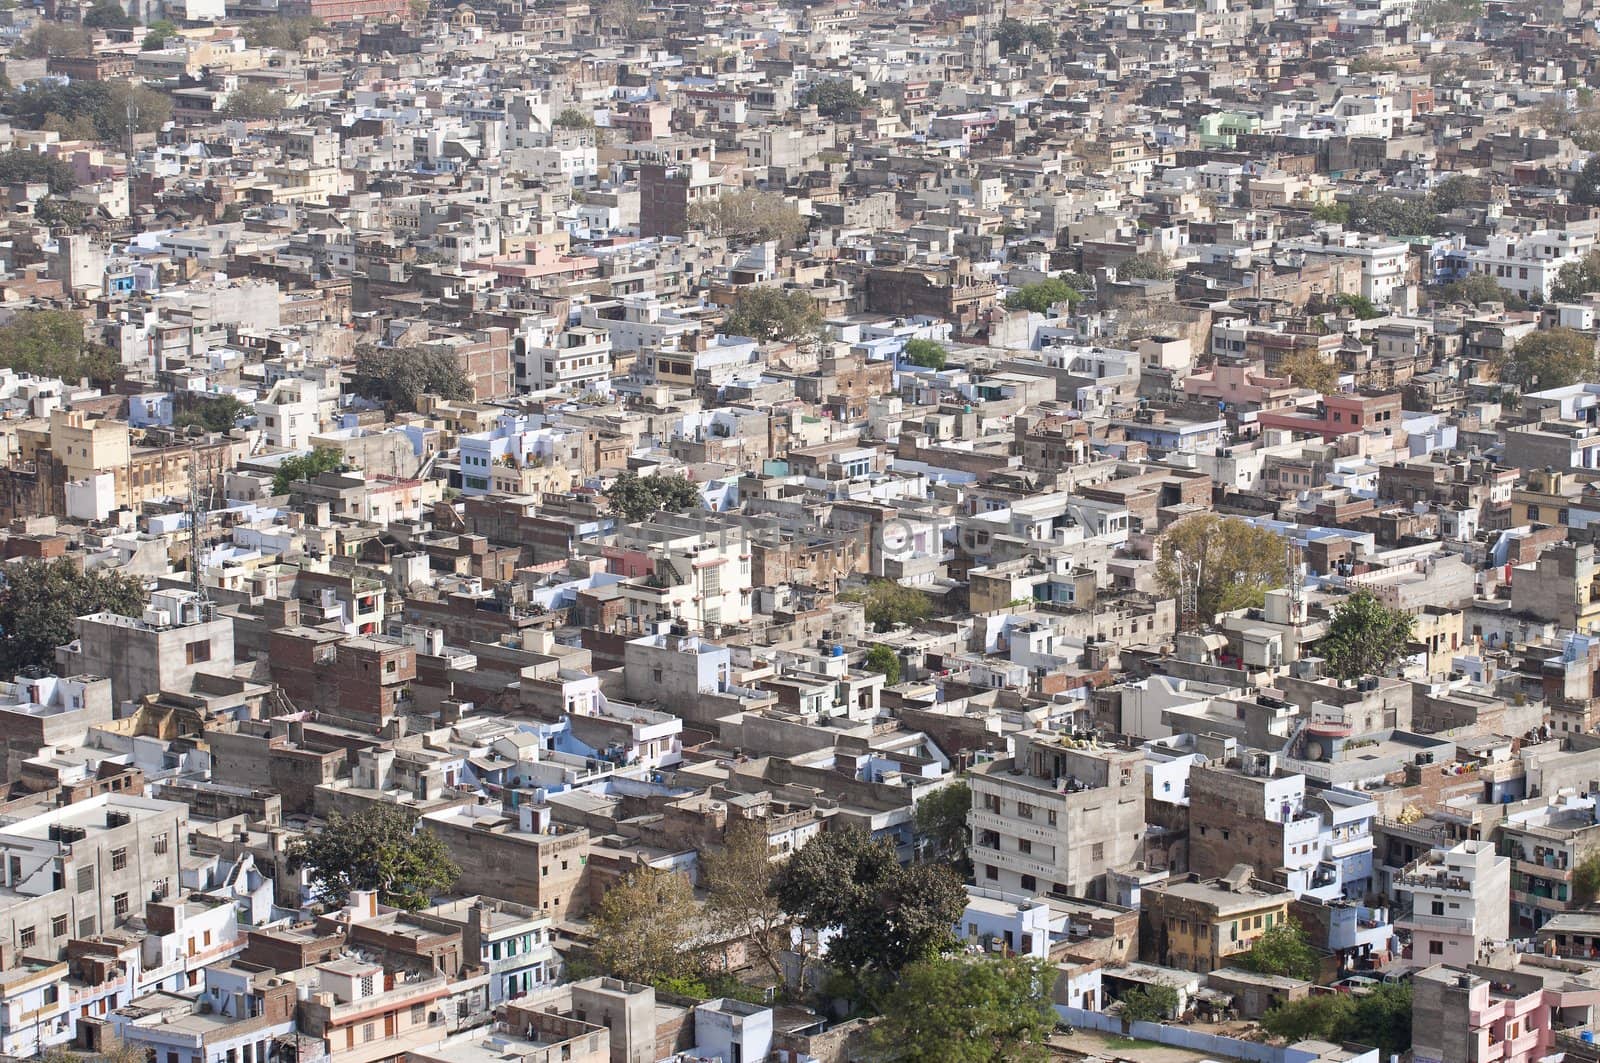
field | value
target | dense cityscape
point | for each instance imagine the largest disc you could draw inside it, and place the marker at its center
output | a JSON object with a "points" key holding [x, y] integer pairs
{"points": [[809, 531]]}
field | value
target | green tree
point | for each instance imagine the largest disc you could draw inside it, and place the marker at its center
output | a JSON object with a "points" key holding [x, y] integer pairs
{"points": [[53, 38], [747, 214], [39, 600], [51, 343], [1586, 189], [941, 822], [1042, 296], [20, 166], [885, 662], [1318, 1017], [1577, 278], [1364, 638], [886, 916], [96, 108], [56, 213], [216, 413], [925, 353], [107, 15], [774, 315], [572, 118], [1156, 1002], [1439, 14], [1586, 879], [739, 879], [1282, 950], [1228, 563], [1338, 213], [1395, 216], [835, 98], [158, 33], [1381, 1017], [254, 101], [1306, 369], [1551, 358], [636, 498], [379, 848], [890, 604], [968, 1010], [1478, 288], [1146, 265], [1360, 305], [399, 376], [305, 467], [644, 925], [285, 33]]}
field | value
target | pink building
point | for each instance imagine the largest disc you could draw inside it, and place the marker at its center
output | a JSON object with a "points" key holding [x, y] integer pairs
{"points": [[1507, 1014], [1243, 385], [1339, 415]]}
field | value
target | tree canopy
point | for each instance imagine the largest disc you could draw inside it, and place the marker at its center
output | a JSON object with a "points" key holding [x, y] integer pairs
{"points": [[158, 33], [835, 98], [1551, 358], [214, 413], [1478, 288], [1307, 369], [739, 878], [379, 848], [1586, 188], [253, 101], [890, 604], [572, 118], [885, 662], [51, 343], [90, 110], [635, 498], [305, 467], [747, 214], [55, 38], [774, 315], [399, 376], [925, 353], [20, 166], [1146, 265], [285, 33], [1156, 1002], [1042, 296], [39, 600], [107, 15], [1012, 35], [1230, 563], [1282, 950], [885, 916], [643, 927], [1578, 278], [1364, 638], [1380, 1017], [941, 823], [968, 1010]]}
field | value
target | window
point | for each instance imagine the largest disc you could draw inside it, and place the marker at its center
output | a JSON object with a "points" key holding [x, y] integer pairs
{"points": [[86, 926], [159, 893], [197, 652], [1024, 810], [369, 1032], [119, 905], [1435, 948], [1028, 883], [119, 859], [1098, 852], [85, 879], [58, 927], [419, 1013], [26, 937], [989, 872], [1025, 847], [52, 994]]}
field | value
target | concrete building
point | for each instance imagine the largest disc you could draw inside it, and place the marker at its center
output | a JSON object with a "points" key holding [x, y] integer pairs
{"points": [[485, 842], [1460, 901], [1056, 816], [1196, 924], [178, 636]]}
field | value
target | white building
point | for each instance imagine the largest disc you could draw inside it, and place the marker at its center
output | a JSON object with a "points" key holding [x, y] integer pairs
{"points": [[1460, 899], [1528, 264]]}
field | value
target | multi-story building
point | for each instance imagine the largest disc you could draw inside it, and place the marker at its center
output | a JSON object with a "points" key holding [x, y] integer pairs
{"points": [[1528, 263], [1460, 901], [178, 636], [1546, 843], [484, 842], [1196, 924], [1057, 815], [514, 943]]}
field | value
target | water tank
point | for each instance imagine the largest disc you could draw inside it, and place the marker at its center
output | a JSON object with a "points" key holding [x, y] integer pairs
{"points": [[1587, 1037], [837, 651]]}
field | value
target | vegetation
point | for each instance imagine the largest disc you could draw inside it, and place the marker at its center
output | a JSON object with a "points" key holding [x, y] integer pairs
{"points": [[379, 848], [1364, 638], [1042, 296], [89, 110], [835, 98], [305, 467], [1012, 35], [1156, 1002], [399, 376], [253, 101], [925, 353], [1439, 14], [107, 15], [1381, 1017], [54, 212], [1551, 358], [39, 600], [1306, 369], [1359, 305], [51, 343], [1586, 879], [635, 498], [1228, 563], [941, 823], [1478, 288], [572, 118], [885, 662], [20, 166], [1577, 278], [158, 33], [55, 38], [748, 215], [286, 33], [1282, 950], [739, 879], [774, 315], [644, 925], [890, 604], [216, 413], [1416, 216], [968, 1010], [885, 916], [1334, 212], [1146, 265]]}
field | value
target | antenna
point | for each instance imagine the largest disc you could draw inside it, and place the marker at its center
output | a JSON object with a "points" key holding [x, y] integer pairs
{"points": [[1297, 590], [133, 122], [197, 515]]}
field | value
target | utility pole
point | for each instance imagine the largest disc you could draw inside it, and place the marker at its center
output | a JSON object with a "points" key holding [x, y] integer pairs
{"points": [[197, 515]]}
